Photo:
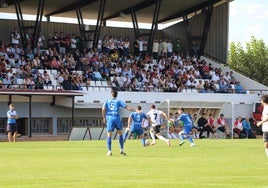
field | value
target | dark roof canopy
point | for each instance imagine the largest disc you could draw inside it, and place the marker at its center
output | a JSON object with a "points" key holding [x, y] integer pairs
{"points": [[115, 10]]}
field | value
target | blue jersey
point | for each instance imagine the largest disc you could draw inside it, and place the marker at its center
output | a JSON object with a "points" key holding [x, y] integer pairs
{"points": [[187, 121], [137, 119], [11, 113], [113, 106]]}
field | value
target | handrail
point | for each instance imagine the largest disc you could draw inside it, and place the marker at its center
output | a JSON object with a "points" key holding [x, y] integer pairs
{"points": [[139, 89]]}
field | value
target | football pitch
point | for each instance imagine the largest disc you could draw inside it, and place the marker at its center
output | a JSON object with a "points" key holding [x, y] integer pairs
{"points": [[83, 164]]}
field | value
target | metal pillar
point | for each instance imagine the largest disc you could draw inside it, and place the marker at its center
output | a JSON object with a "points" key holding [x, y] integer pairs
{"points": [[73, 121], [154, 25], [206, 28], [99, 23], [187, 30], [20, 23], [30, 117], [135, 24], [80, 23], [36, 27]]}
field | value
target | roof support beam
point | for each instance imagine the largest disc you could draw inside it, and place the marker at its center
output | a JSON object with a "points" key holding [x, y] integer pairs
{"points": [[80, 3], [208, 13], [154, 25], [80, 23], [135, 8], [135, 23], [188, 11], [99, 23], [187, 30], [37, 25]]}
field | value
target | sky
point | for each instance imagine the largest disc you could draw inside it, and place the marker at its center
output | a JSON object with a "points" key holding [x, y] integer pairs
{"points": [[248, 18]]}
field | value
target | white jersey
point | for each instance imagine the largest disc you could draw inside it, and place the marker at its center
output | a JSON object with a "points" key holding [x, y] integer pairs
{"points": [[264, 116], [155, 116]]}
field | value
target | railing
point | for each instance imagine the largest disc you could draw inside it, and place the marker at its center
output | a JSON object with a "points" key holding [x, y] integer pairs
{"points": [[138, 89]]}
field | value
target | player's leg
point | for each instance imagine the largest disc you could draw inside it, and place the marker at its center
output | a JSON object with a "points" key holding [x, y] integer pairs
{"points": [[109, 143], [119, 128], [15, 134], [9, 136], [159, 136], [110, 129], [181, 137], [9, 132], [187, 132], [152, 134], [139, 132], [126, 134], [265, 138]]}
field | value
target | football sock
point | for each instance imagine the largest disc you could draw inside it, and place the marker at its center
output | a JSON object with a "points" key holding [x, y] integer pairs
{"points": [[181, 136], [109, 143], [152, 135], [266, 150], [143, 141], [125, 136], [174, 136], [121, 142], [190, 139], [160, 137]]}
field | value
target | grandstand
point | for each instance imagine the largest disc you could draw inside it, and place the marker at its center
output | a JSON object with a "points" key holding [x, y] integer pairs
{"points": [[74, 95]]}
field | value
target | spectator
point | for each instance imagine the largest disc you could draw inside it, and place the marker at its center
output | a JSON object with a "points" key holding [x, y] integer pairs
{"points": [[15, 37], [203, 125], [200, 86], [238, 127], [39, 83], [96, 75], [239, 88], [6, 82], [29, 83], [247, 128], [46, 78], [223, 126]]}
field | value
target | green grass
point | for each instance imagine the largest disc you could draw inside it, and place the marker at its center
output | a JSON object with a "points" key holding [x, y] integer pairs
{"points": [[212, 163]]}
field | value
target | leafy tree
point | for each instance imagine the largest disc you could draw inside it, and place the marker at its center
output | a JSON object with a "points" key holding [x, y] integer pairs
{"points": [[251, 61]]}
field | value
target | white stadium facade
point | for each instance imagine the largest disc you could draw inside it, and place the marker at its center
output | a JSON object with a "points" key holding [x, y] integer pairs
{"points": [[54, 111]]}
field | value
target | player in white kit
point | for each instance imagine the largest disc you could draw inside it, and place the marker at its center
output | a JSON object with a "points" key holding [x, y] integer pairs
{"points": [[264, 122], [155, 119]]}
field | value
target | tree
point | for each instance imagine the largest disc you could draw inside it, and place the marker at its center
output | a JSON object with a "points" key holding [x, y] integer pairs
{"points": [[251, 61]]}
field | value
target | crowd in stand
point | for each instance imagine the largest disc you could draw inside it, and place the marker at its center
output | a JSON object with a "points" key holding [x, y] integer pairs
{"points": [[123, 64]]}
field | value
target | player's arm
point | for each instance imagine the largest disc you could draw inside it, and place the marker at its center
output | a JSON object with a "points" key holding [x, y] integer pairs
{"points": [[130, 108], [129, 122], [264, 119], [103, 114], [12, 116], [168, 118]]}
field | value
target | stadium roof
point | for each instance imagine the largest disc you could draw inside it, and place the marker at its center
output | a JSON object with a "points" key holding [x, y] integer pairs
{"points": [[115, 10]]}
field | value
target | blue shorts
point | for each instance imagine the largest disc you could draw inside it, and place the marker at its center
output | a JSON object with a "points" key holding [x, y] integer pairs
{"points": [[187, 129], [12, 127], [113, 122], [137, 130]]}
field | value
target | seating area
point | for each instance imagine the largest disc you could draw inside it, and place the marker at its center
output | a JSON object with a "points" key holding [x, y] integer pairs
{"points": [[105, 69]]}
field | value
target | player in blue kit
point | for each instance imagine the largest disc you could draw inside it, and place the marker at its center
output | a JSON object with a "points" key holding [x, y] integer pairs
{"points": [[135, 124], [111, 116], [188, 125], [12, 127]]}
